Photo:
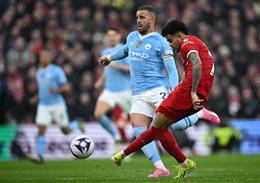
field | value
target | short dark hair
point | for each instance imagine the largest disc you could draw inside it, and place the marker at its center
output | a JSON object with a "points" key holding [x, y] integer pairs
{"points": [[173, 27], [113, 29], [147, 8]]}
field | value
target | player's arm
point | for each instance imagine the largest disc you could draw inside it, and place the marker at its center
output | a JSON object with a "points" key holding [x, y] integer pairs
{"points": [[172, 72], [169, 63], [196, 75], [63, 85], [117, 55], [183, 75], [121, 67], [33, 100], [64, 89], [100, 81]]}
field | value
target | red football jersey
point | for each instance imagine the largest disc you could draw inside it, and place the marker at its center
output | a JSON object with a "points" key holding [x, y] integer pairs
{"points": [[194, 44]]}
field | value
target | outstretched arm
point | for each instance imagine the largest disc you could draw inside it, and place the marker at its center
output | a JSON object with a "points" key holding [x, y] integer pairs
{"points": [[172, 72], [118, 55], [196, 75]]}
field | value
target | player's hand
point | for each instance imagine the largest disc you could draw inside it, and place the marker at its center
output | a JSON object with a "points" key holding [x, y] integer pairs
{"points": [[196, 101], [33, 100], [104, 61], [98, 85], [54, 90]]}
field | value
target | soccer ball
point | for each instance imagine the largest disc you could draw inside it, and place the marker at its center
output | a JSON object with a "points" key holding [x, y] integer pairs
{"points": [[82, 146]]}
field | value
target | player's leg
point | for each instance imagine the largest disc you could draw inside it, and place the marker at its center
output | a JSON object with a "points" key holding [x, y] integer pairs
{"points": [[189, 121], [105, 103], [141, 116], [123, 100], [140, 122], [40, 141], [43, 119], [60, 116], [159, 131]]}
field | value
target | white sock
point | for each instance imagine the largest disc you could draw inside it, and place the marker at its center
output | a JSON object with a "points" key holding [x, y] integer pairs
{"points": [[159, 164], [184, 163]]}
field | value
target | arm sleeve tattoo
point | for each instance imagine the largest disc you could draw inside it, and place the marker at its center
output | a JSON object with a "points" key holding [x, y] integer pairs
{"points": [[196, 70]]}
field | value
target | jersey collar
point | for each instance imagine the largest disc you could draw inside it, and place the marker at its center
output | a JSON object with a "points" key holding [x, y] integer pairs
{"points": [[147, 35]]}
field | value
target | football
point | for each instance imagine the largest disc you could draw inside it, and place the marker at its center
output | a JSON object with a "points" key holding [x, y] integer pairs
{"points": [[82, 146]]}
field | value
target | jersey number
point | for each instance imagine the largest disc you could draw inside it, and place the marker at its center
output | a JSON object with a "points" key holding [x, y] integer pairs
{"points": [[164, 95]]}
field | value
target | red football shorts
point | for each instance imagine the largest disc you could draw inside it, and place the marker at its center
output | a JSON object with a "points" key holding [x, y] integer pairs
{"points": [[179, 104]]}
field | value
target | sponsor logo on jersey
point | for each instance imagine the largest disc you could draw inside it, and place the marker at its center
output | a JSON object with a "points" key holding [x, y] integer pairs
{"points": [[148, 46], [138, 55]]}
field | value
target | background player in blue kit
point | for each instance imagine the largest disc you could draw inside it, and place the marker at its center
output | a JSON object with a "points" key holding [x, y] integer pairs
{"points": [[117, 86], [149, 55], [52, 83]]}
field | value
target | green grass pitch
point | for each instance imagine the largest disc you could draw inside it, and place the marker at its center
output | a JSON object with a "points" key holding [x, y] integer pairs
{"points": [[210, 169]]}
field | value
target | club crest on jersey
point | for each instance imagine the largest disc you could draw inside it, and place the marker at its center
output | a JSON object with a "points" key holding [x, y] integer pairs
{"points": [[148, 46], [138, 44]]}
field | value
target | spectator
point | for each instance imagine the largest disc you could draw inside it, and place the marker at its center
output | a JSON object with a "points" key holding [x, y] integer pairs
{"points": [[74, 32]]}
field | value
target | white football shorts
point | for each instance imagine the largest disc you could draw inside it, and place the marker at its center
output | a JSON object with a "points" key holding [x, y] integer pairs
{"points": [[48, 113], [122, 98], [146, 102]]}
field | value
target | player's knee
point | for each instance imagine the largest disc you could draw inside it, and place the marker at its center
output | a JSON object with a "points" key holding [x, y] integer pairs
{"points": [[98, 114], [137, 123], [41, 130]]}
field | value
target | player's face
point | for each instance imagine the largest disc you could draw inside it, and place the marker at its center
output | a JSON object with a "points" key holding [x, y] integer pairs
{"points": [[113, 38], [174, 41], [45, 58], [144, 21]]}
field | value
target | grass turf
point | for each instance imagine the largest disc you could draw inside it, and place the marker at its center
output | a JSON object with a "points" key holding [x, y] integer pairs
{"points": [[210, 169]]}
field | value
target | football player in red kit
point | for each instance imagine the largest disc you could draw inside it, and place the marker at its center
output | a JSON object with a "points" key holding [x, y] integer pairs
{"points": [[187, 98]]}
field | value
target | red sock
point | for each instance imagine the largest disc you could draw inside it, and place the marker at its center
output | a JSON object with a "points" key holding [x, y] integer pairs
{"points": [[143, 139], [169, 143]]}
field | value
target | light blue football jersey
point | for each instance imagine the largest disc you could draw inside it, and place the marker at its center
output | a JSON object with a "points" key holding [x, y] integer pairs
{"points": [[116, 80], [50, 77], [146, 55]]}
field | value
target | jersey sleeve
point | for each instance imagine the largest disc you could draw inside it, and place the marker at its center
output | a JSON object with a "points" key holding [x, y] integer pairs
{"points": [[119, 54], [188, 47], [60, 76], [166, 50], [169, 63]]}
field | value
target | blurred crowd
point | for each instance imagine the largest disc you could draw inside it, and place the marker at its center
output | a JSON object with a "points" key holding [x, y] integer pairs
{"points": [[74, 31]]}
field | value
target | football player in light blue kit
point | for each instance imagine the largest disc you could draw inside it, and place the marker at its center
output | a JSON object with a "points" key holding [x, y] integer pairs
{"points": [[116, 81], [149, 54], [52, 82]]}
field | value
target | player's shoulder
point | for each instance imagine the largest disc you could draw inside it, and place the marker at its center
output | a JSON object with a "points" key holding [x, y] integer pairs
{"points": [[155, 36], [159, 40], [133, 35], [119, 45], [191, 39], [55, 67]]}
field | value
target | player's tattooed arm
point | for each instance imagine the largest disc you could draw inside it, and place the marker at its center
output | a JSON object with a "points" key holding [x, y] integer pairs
{"points": [[196, 70]]}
